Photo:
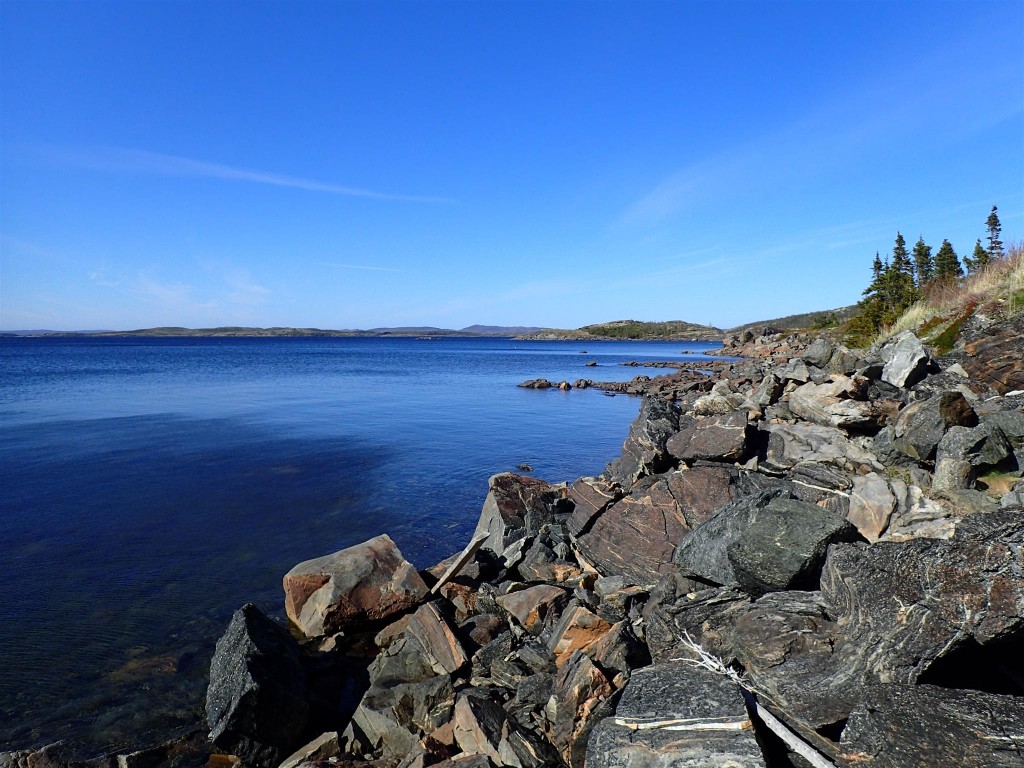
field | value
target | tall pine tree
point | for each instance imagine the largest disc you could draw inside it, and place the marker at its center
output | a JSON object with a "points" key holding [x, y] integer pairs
{"points": [[900, 292], [947, 264], [923, 264], [995, 245]]}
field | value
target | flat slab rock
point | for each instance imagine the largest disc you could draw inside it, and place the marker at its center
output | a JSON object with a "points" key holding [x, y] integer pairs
{"points": [[352, 588], [898, 726], [718, 731]]}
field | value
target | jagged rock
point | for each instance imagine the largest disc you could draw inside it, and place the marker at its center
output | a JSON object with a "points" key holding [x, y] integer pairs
{"points": [[517, 507], [257, 703], [540, 563], [907, 360], [590, 497], [481, 727], [322, 747], [703, 554], [644, 452], [367, 583], [441, 649], [995, 357], [669, 692], [530, 607], [1010, 423], [795, 370], [790, 444], [576, 704], [577, 630], [918, 515], [767, 392], [466, 761], [871, 505], [952, 474], [716, 438], [618, 652], [827, 354], [839, 402], [896, 726], [405, 701], [785, 546], [985, 447], [921, 425], [678, 606], [637, 535], [821, 484]]}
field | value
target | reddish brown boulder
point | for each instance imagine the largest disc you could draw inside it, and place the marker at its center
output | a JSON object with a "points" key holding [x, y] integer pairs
{"points": [[367, 583]]}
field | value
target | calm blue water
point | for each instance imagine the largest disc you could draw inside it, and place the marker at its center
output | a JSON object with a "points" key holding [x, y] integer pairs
{"points": [[148, 487]]}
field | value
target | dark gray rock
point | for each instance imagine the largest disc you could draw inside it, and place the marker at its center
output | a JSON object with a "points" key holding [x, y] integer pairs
{"points": [[257, 703], [897, 726], [984, 447], [921, 425], [676, 691], [678, 606], [644, 452], [703, 554], [784, 548]]}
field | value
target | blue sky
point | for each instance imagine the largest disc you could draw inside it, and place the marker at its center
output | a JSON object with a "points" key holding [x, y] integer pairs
{"points": [[358, 164]]}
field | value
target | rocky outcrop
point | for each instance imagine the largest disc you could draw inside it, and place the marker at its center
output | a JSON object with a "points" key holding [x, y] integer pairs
{"points": [[824, 520], [995, 356]]}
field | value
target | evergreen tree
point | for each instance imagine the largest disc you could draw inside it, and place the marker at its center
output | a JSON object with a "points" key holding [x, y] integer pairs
{"points": [[995, 245], [923, 261], [899, 278], [977, 260], [947, 264]]}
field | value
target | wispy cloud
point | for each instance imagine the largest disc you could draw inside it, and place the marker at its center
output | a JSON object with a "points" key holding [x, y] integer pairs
{"points": [[125, 160], [357, 266]]}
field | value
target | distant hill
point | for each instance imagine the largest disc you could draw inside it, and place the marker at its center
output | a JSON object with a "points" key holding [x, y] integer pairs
{"points": [[671, 330], [250, 332], [825, 318]]}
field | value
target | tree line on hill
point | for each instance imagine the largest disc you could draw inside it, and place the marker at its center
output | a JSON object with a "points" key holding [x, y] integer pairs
{"points": [[901, 280]]}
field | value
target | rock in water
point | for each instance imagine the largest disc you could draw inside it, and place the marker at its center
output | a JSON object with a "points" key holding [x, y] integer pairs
{"points": [[676, 691], [898, 726], [352, 588], [257, 703]]}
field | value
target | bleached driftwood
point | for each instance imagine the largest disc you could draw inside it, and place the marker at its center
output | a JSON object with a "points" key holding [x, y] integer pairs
{"points": [[460, 563], [780, 729]]}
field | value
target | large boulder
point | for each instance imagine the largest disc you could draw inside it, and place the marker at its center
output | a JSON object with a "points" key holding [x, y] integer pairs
{"points": [[517, 507], [644, 452], [715, 438], [921, 425], [984, 447], [353, 588], [682, 693], [839, 402], [895, 726], [872, 504], [995, 357], [785, 547], [791, 444], [257, 703], [907, 360]]}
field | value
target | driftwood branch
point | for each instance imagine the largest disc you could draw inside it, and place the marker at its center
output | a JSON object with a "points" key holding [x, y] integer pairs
{"points": [[460, 563]]}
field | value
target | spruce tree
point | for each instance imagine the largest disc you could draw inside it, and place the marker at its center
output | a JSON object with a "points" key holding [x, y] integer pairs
{"points": [[995, 245], [977, 260], [947, 264], [923, 261], [900, 278]]}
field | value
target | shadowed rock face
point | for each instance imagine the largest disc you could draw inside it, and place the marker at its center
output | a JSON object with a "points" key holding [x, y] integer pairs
{"points": [[644, 451], [996, 357], [968, 729], [357, 586], [517, 507], [920, 426], [257, 703]]}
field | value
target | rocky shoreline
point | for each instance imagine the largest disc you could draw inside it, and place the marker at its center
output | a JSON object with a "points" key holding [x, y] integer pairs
{"points": [[812, 556]]}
